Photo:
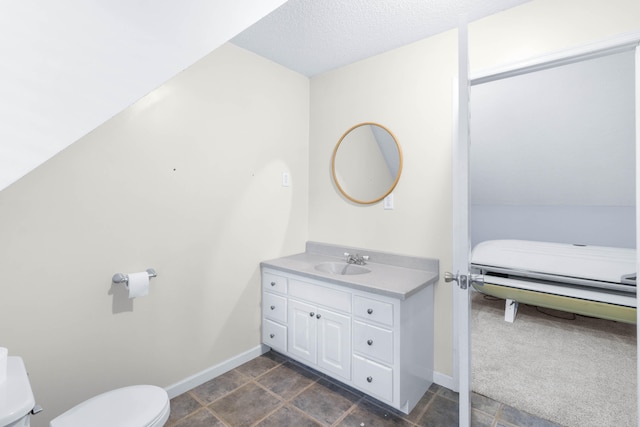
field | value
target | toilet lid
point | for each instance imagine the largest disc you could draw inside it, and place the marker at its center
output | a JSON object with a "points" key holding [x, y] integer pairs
{"points": [[135, 406]]}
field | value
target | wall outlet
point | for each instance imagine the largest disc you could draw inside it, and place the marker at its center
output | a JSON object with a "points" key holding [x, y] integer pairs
{"points": [[388, 202], [286, 179]]}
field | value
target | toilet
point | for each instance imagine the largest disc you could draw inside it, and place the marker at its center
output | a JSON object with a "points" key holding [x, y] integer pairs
{"points": [[133, 406]]}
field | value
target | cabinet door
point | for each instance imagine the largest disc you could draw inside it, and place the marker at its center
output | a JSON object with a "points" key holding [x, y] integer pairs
{"points": [[334, 342], [302, 330]]}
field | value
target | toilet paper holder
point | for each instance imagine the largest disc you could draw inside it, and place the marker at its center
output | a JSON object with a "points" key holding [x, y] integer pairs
{"points": [[123, 278]]}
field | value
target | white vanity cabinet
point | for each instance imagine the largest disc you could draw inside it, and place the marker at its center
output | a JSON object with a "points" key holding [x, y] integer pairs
{"points": [[373, 342], [321, 337]]}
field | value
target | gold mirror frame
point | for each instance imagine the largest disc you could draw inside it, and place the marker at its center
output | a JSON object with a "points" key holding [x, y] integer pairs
{"points": [[335, 175]]}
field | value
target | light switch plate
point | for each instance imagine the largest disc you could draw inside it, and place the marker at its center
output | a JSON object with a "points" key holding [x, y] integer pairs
{"points": [[286, 179], [388, 202]]}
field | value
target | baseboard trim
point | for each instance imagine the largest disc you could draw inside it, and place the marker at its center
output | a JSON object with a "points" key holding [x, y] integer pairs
{"points": [[210, 373], [215, 371], [444, 381]]}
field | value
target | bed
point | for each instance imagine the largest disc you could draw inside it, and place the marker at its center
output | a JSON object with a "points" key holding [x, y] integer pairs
{"points": [[593, 281]]}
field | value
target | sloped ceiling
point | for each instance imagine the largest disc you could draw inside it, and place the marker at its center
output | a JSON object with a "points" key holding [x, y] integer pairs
{"points": [[314, 36], [70, 65]]}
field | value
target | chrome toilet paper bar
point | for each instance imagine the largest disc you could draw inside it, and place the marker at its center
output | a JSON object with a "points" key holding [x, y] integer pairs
{"points": [[123, 278]]}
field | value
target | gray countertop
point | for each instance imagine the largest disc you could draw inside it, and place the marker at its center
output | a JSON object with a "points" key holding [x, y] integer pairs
{"points": [[392, 275]]}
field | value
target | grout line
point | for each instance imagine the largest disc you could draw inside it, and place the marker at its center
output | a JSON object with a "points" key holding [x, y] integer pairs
{"points": [[347, 412], [272, 393], [196, 398], [302, 390], [307, 415], [218, 417], [276, 409]]}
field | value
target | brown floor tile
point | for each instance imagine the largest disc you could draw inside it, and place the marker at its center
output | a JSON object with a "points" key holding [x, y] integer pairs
{"points": [[480, 419], [288, 416], [181, 406], [256, 367], [201, 418], [484, 404], [245, 406], [325, 401], [275, 356], [449, 394], [368, 414], [287, 380], [520, 418], [218, 387], [441, 412], [249, 394]]}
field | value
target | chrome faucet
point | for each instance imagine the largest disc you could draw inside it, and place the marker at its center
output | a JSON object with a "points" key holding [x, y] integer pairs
{"points": [[356, 259]]}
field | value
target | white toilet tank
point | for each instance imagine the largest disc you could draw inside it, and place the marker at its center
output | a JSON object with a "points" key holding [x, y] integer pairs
{"points": [[16, 397]]}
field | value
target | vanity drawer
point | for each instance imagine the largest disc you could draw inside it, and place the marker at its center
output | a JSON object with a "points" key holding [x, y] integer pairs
{"points": [[373, 378], [274, 307], [374, 310], [274, 283], [274, 335], [372, 341], [333, 298]]}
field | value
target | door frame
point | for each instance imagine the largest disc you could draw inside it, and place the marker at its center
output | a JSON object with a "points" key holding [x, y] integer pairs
{"points": [[460, 170]]}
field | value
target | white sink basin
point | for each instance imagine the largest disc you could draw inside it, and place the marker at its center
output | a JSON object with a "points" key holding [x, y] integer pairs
{"points": [[341, 268]]}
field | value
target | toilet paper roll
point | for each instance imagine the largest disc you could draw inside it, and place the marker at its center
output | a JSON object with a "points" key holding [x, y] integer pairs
{"points": [[138, 284], [4, 353]]}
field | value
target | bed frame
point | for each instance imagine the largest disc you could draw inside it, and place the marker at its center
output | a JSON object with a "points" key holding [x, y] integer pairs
{"points": [[593, 281]]}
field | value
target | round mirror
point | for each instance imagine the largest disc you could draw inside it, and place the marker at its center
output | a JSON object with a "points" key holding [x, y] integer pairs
{"points": [[366, 163]]}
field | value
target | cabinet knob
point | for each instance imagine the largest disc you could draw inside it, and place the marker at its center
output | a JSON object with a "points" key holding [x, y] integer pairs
{"points": [[273, 307], [369, 379], [312, 314], [273, 283], [370, 342], [272, 335], [370, 310], [318, 316]]}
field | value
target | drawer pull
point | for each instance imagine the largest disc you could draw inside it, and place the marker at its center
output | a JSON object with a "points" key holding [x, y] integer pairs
{"points": [[318, 316], [370, 310], [312, 314], [273, 307], [370, 342], [273, 283], [369, 379], [272, 335]]}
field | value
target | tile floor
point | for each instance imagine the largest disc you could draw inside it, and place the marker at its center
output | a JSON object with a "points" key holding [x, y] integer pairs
{"points": [[274, 391]]}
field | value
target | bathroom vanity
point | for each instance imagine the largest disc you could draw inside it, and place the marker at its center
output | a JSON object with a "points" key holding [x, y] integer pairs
{"points": [[369, 326]]}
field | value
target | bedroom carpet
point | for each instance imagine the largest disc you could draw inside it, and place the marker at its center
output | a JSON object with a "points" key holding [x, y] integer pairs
{"points": [[573, 370]]}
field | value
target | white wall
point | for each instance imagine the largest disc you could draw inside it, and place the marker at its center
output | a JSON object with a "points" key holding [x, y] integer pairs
{"points": [[187, 181], [553, 154], [68, 66], [229, 126], [409, 91]]}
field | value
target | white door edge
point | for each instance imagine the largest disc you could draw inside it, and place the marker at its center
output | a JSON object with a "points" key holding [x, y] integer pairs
{"points": [[637, 104], [461, 299]]}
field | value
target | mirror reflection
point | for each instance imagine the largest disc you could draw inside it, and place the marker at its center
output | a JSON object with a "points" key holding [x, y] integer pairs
{"points": [[367, 163]]}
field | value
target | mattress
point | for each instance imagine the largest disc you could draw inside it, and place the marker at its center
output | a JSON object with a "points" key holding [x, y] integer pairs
{"points": [[591, 280], [581, 265]]}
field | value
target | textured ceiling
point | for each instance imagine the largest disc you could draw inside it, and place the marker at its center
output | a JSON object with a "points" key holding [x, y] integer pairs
{"points": [[314, 36]]}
